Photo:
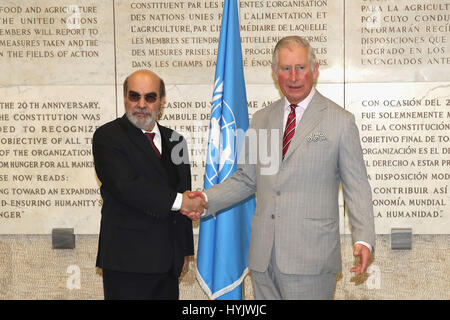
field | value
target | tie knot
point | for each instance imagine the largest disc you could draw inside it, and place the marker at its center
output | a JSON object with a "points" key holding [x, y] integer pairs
{"points": [[150, 135], [293, 106]]}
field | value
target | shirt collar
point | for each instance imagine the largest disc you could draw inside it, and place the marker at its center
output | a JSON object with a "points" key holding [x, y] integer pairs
{"points": [[302, 104], [155, 130]]}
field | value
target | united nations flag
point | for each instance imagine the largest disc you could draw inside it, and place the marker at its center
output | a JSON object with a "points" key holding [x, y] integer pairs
{"points": [[224, 240]]}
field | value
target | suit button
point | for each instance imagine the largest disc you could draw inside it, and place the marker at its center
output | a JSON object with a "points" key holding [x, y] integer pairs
{"points": [[278, 193], [273, 216]]}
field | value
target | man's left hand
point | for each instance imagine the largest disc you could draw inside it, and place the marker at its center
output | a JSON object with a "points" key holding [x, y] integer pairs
{"points": [[363, 253]]}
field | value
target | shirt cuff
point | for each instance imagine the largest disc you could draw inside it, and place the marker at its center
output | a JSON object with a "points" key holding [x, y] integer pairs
{"points": [[177, 203], [365, 244]]}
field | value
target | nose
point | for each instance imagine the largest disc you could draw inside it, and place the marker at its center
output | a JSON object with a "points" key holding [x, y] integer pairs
{"points": [[293, 76], [142, 103]]}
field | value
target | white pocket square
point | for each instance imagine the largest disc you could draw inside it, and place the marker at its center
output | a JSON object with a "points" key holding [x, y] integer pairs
{"points": [[315, 137]]}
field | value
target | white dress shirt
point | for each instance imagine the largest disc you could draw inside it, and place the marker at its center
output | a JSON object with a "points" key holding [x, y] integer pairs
{"points": [[157, 139], [301, 107]]}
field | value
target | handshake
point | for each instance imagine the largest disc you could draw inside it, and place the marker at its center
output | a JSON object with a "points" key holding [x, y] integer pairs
{"points": [[193, 204]]}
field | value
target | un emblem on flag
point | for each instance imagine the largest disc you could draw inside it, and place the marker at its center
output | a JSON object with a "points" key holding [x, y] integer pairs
{"points": [[221, 156]]}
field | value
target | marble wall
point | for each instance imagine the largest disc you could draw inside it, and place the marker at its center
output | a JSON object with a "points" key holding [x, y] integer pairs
{"points": [[62, 67]]}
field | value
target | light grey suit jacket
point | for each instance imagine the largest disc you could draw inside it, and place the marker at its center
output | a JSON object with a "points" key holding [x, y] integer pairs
{"points": [[297, 206]]}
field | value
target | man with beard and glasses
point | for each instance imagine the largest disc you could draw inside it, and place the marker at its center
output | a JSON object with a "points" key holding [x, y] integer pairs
{"points": [[143, 167]]}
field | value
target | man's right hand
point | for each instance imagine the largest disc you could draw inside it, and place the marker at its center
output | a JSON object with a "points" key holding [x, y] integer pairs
{"points": [[193, 204]]}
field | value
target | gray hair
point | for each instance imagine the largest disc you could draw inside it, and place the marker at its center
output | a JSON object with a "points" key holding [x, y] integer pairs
{"points": [[293, 40]]}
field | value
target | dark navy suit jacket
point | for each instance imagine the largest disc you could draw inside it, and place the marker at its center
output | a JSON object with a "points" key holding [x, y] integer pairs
{"points": [[139, 232]]}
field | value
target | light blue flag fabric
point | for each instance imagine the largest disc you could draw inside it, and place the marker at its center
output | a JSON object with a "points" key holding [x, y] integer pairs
{"points": [[222, 258]]}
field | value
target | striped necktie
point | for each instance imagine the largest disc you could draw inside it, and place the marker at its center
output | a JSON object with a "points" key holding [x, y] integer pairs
{"points": [[289, 130], [150, 136]]}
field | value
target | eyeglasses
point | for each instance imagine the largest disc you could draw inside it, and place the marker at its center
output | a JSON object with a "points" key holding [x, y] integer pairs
{"points": [[150, 97]]}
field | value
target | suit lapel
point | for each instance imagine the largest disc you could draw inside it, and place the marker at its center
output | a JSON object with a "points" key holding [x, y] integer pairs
{"points": [[274, 125], [276, 122], [168, 145], [166, 141], [310, 119]]}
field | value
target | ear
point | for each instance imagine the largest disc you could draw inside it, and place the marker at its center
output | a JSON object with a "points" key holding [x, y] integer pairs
{"points": [[163, 102], [316, 71], [274, 73]]}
